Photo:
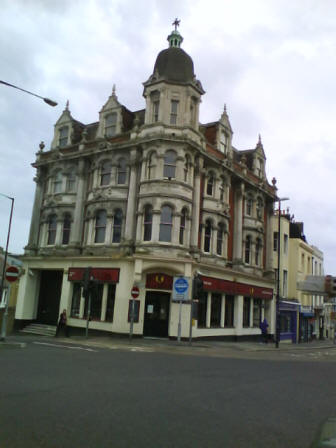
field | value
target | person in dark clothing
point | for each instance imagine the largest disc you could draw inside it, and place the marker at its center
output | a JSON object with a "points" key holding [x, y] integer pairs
{"points": [[62, 324], [264, 331]]}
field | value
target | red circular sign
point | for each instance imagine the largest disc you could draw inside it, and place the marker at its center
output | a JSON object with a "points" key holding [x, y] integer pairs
{"points": [[135, 292], [12, 273]]}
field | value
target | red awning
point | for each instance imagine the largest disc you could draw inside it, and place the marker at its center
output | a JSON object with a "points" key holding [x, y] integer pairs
{"points": [[243, 289], [105, 275]]}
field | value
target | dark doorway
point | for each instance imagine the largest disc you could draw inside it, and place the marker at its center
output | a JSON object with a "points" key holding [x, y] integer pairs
{"points": [[49, 297], [156, 314]]}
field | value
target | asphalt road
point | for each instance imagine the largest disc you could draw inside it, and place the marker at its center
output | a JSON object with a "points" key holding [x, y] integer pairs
{"points": [[95, 397]]}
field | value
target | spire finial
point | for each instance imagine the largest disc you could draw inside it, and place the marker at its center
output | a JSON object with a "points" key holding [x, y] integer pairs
{"points": [[114, 90], [176, 23], [67, 105], [224, 108], [259, 139]]}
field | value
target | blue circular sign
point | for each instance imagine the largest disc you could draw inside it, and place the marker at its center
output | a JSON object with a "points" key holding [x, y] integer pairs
{"points": [[181, 285]]}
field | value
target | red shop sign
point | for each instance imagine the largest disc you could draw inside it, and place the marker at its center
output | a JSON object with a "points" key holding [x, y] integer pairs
{"points": [[104, 275]]}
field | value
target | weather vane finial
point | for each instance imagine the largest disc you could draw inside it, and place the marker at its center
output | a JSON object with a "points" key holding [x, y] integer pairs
{"points": [[176, 23]]}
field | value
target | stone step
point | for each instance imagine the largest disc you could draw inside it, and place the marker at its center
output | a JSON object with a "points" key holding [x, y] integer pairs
{"points": [[40, 329]]}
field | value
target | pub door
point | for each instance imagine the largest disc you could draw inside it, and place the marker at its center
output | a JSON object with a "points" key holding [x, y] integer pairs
{"points": [[156, 314], [49, 297]]}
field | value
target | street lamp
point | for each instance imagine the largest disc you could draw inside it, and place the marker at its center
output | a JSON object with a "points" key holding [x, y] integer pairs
{"points": [[4, 318], [277, 307], [46, 100]]}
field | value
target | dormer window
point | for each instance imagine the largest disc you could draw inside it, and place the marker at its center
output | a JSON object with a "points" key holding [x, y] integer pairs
{"points": [[223, 142], [173, 112], [63, 136], [260, 167], [111, 124]]}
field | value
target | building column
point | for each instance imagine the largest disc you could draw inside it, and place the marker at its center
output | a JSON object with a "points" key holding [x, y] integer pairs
{"points": [[176, 229], [222, 318], [238, 225], [59, 229], [195, 224], [208, 312], [35, 221], [156, 225], [104, 302], [238, 313], [131, 200], [78, 219]]}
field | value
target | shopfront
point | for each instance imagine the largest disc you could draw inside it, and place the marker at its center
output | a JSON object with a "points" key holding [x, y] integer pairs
{"points": [[288, 320]]}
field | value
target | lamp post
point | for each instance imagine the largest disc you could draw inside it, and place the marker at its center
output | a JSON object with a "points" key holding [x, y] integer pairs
{"points": [[46, 100], [4, 318], [277, 306]]}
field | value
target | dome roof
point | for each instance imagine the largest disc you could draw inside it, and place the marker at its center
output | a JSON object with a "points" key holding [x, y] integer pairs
{"points": [[174, 64]]}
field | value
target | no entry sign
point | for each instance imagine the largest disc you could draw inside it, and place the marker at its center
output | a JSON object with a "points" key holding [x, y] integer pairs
{"points": [[12, 273], [135, 292]]}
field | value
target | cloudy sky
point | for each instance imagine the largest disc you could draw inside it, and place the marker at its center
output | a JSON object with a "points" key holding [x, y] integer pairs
{"points": [[271, 62]]}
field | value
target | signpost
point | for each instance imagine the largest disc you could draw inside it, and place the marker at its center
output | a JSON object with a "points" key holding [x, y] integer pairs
{"points": [[135, 294], [180, 294]]}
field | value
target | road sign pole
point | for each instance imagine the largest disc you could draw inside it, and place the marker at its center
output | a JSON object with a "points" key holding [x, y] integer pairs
{"points": [[5, 316], [131, 319], [179, 323], [88, 315]]}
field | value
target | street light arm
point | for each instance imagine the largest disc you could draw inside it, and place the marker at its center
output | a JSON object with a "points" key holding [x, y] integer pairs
{"points": [[46, 100]]}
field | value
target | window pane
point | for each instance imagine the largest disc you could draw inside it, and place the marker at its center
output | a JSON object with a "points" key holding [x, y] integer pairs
{"points": [[256, 312], [229, 311], [122, 172], [100, 227], [110, 303], [63, 136], [201, 311], [207, 236], [117, 222], [105, 173], [169, 164], [148, 224], [110, 124], [166, 224], [173, 113], [96, 302], [246, 312], [76, 299], [66, 230], [216, 306], [52, 226]]}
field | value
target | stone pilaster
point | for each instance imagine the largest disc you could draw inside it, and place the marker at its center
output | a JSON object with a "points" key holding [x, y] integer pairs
{"points": [[78, 218]]}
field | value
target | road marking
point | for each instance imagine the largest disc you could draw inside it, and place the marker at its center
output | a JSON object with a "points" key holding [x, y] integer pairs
{"points": [[65, 346]]}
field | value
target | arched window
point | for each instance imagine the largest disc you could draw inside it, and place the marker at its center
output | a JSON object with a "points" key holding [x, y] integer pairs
{"points": [[249, 205], [148, 219], [186, 168], [66, 229], [117, 223], [207, 235], [259, 208], [57, 182], [166, 223], [71, 181], [257, 252], [63, 136], [105, 173], [121, 172], [210, 184], [248, 249], [220, 238], [169, 164], [111, 124], [100, 226], [182, 225], [52, 226]]}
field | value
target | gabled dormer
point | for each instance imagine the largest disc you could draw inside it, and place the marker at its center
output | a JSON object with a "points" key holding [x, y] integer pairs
{"points": [[110, 117], [259, 160], [224, 134], [64, 129]]}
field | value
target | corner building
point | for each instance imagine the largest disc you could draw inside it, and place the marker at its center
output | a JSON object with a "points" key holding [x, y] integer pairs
{"points": [[145, 196]]}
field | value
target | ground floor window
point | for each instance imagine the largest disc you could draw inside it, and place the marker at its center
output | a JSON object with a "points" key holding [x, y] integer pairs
{"points": [[246, 311], [257, 308], [202, 310], [216, 308], [229, 311], [102, 302], [285, 322]]}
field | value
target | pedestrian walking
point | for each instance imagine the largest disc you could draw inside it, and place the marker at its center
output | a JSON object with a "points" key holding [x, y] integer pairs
{"points": [[264, 331], [62, 324]]}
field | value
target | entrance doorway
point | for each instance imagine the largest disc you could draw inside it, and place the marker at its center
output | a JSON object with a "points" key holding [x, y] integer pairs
{"points": [[49, 297], [156, 314]]}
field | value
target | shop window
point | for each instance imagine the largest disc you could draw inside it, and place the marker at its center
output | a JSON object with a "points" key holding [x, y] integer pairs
{"points": [[76, 300], [110, 303], [100, 226], [117, 225], [105, 173], [229, 311], [207, 235], [122, 171], [96, 297], [148, 219], [216, 308], [182, 226], [166, 223], [202, 311], [169, 164], [111, 124], [257, 308], [246, 311], [66, 229], [52, 227]]}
